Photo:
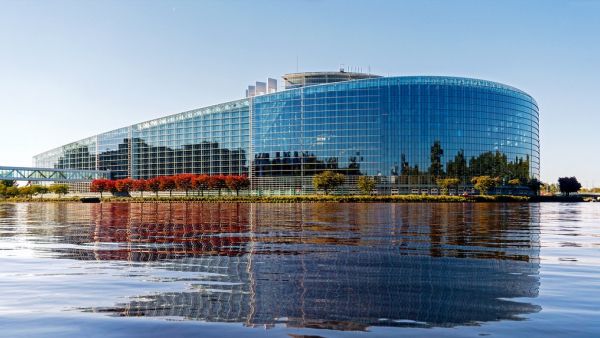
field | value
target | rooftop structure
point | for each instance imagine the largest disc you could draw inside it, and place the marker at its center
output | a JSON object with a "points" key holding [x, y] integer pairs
{"points": [[297, 80]]}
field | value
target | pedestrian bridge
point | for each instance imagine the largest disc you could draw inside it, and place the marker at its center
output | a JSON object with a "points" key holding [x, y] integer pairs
{"points": [[50, 174]]}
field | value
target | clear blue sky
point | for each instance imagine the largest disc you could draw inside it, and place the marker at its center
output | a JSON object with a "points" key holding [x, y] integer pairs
{"points": [[71, 69]]}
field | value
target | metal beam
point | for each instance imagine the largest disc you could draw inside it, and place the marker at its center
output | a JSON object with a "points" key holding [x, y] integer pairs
{"points": [[50, 174]]}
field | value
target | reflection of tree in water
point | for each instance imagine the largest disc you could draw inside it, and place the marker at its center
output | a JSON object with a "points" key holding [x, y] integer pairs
{"points": [[336, 266]]}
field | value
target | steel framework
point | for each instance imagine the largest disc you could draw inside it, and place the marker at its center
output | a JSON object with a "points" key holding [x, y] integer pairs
{"points": [[51, 174]]}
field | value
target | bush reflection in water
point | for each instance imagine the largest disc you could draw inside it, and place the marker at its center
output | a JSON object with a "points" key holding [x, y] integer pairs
{"points": [[332, 266]]}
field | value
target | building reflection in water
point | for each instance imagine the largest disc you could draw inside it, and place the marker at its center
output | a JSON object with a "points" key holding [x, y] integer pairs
{"points": [[333, 266]]}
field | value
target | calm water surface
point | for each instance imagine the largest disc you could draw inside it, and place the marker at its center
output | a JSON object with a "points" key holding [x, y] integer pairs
{"points": [[299, 270]]}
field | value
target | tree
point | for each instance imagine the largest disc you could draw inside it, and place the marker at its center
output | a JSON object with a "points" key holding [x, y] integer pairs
{"points": [[552, 188], [154, 185], [567, 185], [535, 185], [446, 183], [124, 185], [26, 191], [236, 183], [8, 188], [184, 182], [484, 183], [60, 189], [11, 191], [167, 183], [140, 185], [101, 185], [200, 183], [328, 180], [39, 190], [216, 182], [8, 183], [112, 187], [366, 184]]}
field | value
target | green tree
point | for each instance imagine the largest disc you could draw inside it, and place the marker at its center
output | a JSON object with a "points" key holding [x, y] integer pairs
{"points": [[4, 188], [26, 191], [59, 189], [328, 180], [446, 183], [11, 191], [567, 185], [552, 188], [40, 190], [484, 183], [8, 183], [366, 184]]}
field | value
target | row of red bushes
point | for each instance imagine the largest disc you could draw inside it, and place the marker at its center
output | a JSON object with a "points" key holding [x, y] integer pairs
{"points": [[183, 182]]}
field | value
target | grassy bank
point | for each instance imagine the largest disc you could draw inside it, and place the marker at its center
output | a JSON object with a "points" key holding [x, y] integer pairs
{"points": [[299, 199]]}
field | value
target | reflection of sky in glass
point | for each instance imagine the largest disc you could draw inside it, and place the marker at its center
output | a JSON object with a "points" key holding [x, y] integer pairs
{"points": [[383, 126]]}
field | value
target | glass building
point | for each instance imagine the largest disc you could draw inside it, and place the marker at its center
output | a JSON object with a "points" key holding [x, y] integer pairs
{"points": [[406, 131]]}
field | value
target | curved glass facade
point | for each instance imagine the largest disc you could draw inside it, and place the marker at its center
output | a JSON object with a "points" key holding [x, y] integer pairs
{"points": [[408, 131]]}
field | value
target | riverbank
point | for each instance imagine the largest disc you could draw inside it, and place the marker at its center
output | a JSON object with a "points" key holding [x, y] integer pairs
{"points": [[315, 198]]}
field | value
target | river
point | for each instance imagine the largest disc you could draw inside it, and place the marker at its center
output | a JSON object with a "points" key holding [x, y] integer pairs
{"points": [[299, 270]]}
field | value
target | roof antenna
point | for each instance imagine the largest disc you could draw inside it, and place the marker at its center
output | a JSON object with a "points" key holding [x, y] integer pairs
{"points": [[297, 63]]}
